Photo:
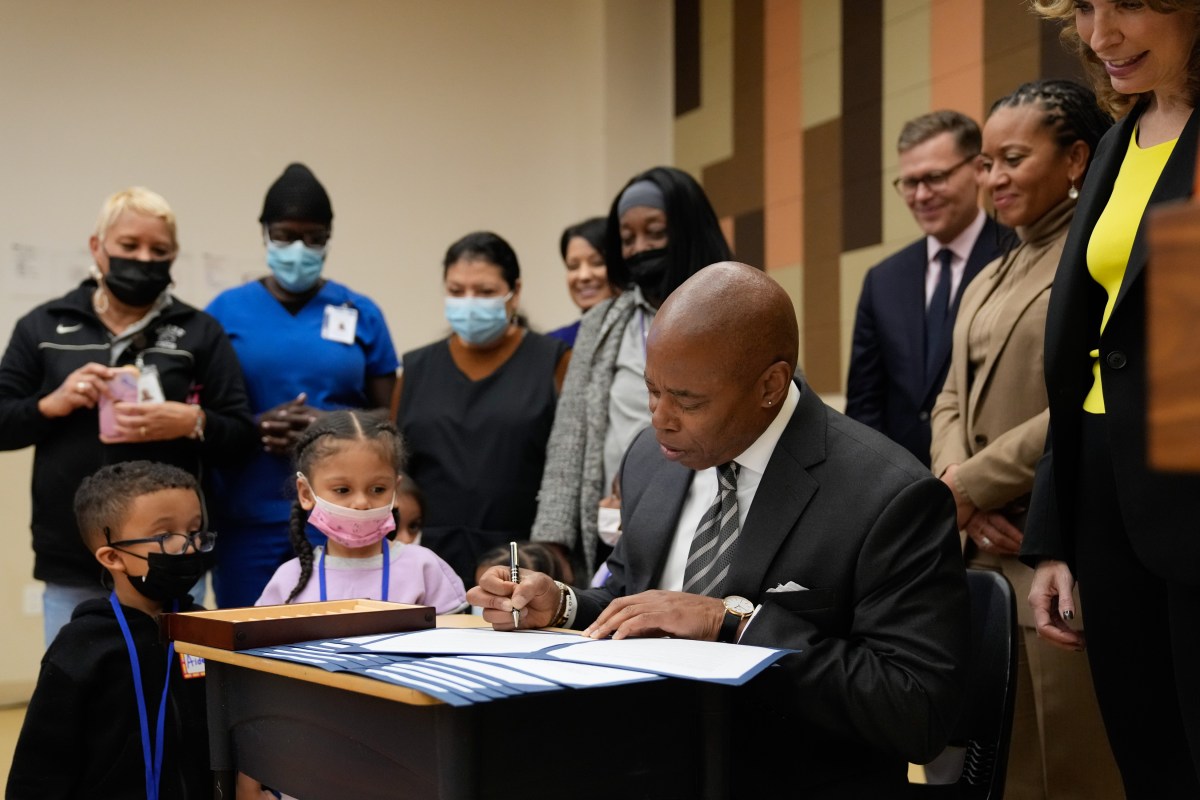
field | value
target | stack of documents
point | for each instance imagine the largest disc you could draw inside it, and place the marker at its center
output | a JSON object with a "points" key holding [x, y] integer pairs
{"points": [[461, 666]]}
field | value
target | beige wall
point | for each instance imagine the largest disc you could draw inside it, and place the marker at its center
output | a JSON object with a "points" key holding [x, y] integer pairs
{"points": [[424, 120]]}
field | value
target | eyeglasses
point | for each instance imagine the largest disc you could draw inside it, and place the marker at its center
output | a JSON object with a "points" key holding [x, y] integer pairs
{"points": [[285, 236], [934, 181], [173, 544]]}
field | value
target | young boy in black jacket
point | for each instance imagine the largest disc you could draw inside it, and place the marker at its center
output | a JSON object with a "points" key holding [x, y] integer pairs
{"points": [[116, 712]]}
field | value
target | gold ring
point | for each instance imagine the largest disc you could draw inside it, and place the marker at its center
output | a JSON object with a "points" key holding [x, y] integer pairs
{"points": [[143, 431], [81, 387]]}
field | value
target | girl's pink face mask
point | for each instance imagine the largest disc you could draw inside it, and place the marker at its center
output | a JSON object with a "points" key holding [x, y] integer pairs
{"points": [[351, 527]]}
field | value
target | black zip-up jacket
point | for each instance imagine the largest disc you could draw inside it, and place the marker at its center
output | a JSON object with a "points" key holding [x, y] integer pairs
{"points": [[195, 363], [81, 736]]}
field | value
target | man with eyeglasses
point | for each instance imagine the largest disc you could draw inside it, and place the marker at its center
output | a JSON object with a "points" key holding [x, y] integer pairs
{"points": [[901, 346]]}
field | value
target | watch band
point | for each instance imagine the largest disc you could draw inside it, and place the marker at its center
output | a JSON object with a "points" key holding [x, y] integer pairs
{"points": [[729, 627]]}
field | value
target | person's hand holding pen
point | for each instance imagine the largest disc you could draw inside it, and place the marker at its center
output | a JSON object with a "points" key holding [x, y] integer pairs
{"points": [[514, 570], [535, 599]]}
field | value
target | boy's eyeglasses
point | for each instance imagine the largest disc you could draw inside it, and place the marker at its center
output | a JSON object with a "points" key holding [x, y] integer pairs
{"points": [[173, 544]]}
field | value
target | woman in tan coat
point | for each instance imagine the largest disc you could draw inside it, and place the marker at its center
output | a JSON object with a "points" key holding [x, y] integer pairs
{"points": [[989, 422]]}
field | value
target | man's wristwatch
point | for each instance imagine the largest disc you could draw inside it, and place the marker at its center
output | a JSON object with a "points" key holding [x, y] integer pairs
{"points": [[737, 608]]}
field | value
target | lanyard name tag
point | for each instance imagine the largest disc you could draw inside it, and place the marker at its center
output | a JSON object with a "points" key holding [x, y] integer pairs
{"points": [[339, 324], [149, 386]]}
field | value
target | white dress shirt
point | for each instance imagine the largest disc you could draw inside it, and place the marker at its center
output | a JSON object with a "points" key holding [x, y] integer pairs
{"points": [[961, 246]]}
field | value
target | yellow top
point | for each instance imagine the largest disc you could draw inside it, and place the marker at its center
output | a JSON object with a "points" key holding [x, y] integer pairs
{"points": [[1112, 238]]}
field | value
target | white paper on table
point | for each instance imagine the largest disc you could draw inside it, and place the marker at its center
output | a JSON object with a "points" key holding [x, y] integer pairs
{"points": [[565, 673], [681, 658], [464, 641]]}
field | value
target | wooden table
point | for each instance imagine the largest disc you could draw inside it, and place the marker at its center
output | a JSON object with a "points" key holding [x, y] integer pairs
{"points": [[318, 735]]}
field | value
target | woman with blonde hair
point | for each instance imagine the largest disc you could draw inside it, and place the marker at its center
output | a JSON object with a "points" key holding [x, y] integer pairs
{"points": [[57, 375], [1099, 514]]}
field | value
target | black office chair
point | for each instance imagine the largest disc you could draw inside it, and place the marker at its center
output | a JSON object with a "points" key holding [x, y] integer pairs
{"points": [[985, 726]]}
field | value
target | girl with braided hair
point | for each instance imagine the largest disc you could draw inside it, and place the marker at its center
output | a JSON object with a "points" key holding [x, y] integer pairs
{"points": [[348, 468], [990, 420]]}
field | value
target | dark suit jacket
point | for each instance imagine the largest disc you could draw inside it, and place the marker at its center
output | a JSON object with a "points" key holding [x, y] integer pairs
{"points": [[887, 387], [1156, 507], [882, 627]]}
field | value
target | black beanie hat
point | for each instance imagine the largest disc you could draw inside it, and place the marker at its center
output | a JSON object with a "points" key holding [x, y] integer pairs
{"points": [[298, 195]]}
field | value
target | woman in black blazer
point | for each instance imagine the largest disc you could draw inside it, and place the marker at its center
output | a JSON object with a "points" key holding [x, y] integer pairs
{"points": [[1098, 512]]}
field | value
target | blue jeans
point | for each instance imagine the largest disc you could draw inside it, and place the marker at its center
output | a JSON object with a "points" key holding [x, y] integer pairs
{"points": [[59, 600]]}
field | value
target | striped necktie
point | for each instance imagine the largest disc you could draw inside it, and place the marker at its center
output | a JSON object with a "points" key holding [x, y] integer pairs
{"points": [[711, 553]]}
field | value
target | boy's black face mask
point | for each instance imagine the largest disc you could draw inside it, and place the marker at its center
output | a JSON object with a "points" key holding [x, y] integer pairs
{"points": [[170, 577]]}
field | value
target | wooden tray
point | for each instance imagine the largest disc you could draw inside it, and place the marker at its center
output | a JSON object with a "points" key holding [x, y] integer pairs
{"points": [[264, 626]]}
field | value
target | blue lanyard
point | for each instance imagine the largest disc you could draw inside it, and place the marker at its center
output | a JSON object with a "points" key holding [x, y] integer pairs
{"points": [[386, 569], [153, 770]]}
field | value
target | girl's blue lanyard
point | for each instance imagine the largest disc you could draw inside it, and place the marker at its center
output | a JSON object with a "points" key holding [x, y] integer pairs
{"points": [[386, 567], [151, 758]]}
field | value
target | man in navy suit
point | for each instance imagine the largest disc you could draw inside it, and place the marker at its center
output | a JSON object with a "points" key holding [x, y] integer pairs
{"points": [[901, 347], [833, 541]]}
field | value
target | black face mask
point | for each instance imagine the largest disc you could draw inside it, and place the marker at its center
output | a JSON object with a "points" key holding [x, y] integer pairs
{"points": [[648, 269], [170, 577], [137, 283]]}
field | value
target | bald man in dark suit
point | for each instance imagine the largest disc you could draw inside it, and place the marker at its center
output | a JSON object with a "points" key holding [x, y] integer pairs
{"points": [[833, 541]]}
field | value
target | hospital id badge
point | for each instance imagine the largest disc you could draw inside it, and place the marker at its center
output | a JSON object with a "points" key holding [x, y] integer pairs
{"points": [[149, 386], [339, 324]]}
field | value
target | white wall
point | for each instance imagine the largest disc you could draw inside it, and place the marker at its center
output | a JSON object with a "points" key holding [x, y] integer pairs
{"points": [[424, 120]]}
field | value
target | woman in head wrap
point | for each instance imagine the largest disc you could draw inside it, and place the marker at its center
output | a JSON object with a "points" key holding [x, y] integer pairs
{"points": [[306, 344], [661, 230], [188, 409]]}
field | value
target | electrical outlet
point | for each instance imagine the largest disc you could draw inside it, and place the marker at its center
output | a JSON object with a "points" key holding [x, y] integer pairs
{"points": [[31, 599]]}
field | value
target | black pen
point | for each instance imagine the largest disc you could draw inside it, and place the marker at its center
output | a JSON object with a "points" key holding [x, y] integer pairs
{"points": [[514, 572]]}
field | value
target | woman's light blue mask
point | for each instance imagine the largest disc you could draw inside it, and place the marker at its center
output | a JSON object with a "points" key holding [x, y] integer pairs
{"points": [[478, 320], [296, 266]]}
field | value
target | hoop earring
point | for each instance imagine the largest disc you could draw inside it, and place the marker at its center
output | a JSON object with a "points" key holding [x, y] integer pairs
{"points": [[100, 301]]}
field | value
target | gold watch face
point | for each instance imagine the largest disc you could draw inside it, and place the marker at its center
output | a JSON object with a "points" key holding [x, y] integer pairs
{"points": [[739, 605]]}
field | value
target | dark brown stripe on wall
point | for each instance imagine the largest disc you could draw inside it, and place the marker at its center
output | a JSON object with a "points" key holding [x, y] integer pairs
{"points": [[862, 120], [735, 185], [687, 56], [821, 360], [1055, 61], [748, 228], [1010, 50]]}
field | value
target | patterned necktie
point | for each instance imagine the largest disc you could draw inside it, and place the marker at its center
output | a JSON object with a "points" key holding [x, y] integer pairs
{"points": [[938, 324], [712, 547]]}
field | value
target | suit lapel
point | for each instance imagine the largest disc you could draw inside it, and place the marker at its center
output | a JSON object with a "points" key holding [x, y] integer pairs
{"points": [[652, 524], [782, 495], [1025, 291], [910, 293]]}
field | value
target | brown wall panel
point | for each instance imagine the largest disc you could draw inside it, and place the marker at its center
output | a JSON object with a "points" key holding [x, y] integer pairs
{"points": [[823, 218], [1011, 42], [687, 56], [748, 231], [862, 120], [735, 185]]}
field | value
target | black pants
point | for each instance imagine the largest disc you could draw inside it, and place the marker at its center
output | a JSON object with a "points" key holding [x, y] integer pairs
{"points": [[1143, 640]]}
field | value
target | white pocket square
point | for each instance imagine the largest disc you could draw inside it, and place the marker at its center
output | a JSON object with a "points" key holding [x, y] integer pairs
{"points": [[790, 586]]}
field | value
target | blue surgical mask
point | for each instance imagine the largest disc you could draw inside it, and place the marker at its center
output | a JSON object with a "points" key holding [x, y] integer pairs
{"points": [[478, 320], [296, 266]]}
